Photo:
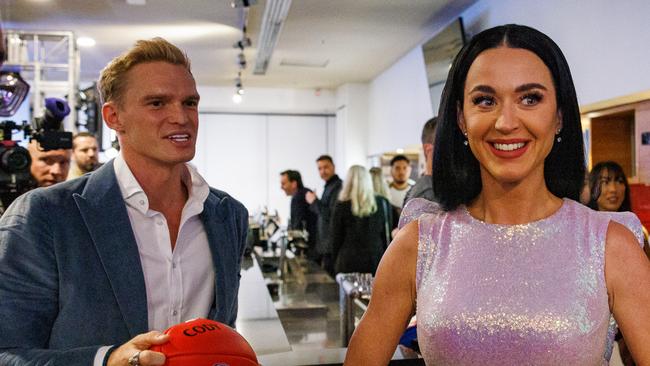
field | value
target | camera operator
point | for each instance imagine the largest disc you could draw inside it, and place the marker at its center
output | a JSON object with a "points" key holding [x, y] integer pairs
{"points": [[48, 167]]}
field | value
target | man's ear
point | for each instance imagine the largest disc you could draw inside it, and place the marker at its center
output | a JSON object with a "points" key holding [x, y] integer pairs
{"points": [[110, 113]]}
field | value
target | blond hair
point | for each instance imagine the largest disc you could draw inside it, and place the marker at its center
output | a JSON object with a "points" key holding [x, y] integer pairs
{"points": [[379, 183], [112, 79], [358, 190]]}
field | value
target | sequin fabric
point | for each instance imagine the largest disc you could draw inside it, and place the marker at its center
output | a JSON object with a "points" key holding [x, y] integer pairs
{"points": [[530, 294]]}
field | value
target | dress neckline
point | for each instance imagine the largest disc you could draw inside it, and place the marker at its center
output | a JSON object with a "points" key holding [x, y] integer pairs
{"points": [[565, 203]]}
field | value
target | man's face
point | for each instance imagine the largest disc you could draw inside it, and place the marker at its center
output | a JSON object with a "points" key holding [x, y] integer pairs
{"points": [[85, 153], [287, 186], [157, 116], [325, 169], [401, 170], [48, 167]]}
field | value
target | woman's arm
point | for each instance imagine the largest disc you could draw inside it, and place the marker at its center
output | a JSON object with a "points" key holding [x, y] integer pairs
{"points": [[392, 303], [627, 275]]}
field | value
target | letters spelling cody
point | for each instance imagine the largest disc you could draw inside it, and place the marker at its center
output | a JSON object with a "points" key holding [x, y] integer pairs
{"points": [[199, 329]]}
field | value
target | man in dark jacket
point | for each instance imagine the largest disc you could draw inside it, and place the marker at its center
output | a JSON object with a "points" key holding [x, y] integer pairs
{"points": [[324, 208], [300, 216]]}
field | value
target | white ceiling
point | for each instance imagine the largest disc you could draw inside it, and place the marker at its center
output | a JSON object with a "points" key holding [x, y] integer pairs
{"points": [[354, 39]]}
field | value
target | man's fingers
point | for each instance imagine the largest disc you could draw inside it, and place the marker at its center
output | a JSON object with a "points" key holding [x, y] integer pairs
{"points": [[152, 358], [146, 340]]}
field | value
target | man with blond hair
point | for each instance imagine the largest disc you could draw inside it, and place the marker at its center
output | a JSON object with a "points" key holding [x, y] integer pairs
{"points": [[93, 269]]}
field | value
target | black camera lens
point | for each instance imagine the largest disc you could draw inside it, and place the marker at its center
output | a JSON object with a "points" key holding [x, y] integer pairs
{"points": [[16, 160]]}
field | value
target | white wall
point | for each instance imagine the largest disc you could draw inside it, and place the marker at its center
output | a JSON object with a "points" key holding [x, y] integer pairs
{"points": [[605, 42], [268, 100], [243, 154], [351, 141], [399, 104]]}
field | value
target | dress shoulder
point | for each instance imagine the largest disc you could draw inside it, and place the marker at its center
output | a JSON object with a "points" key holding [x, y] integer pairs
{"points": [[627, 219], [415, 208]]}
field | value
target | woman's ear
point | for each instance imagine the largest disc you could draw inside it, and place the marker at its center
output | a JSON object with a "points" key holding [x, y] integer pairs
{"points": [[460, 119]]}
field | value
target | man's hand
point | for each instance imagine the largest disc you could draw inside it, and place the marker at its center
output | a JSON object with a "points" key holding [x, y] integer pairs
{"points": [[142, 342], [310, 197]]}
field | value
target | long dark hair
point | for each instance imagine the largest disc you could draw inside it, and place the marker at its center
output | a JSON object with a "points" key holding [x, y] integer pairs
{"points": [[615, 170], [456, 172]]}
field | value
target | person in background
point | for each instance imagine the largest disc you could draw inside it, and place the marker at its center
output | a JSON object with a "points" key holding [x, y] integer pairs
{"points": [[301, 217], [324, 207], [359, 233], [400, 171], [506, 267], [424, 187], [608, 187], [94, 268], [380, 187], [48, 167], [610, 191], [85, 157]]}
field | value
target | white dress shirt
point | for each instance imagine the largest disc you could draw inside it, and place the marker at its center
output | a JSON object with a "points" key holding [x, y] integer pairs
{"points": [[179, 283]]}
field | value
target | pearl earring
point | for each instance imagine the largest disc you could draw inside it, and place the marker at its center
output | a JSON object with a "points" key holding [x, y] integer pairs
{"points": [[559, 138]]}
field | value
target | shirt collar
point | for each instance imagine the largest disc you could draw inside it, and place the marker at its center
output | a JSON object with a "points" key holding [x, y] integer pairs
{"points": [[134, 195]]}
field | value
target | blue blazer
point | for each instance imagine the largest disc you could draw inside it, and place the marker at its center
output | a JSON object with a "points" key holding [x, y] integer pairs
{"points": [[71, 280]]}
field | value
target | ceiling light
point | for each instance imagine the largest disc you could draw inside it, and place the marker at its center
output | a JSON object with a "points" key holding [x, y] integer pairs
{"points": [[400, 151], [242, 3], [85, 42], [237, 98], [274, 16]]}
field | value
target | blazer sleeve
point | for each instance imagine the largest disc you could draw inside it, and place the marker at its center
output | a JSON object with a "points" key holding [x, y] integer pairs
{"points": [[29, 289], [241, 231]]}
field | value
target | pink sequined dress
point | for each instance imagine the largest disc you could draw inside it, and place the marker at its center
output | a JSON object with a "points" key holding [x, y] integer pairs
{"points": [[530, 294]]}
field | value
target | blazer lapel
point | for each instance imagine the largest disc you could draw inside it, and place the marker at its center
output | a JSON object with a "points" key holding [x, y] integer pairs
{"points": [[104, 213], [214, 217]]}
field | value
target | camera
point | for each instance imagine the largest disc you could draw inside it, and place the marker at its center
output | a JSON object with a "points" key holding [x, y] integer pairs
{"points": [[15, 160]]}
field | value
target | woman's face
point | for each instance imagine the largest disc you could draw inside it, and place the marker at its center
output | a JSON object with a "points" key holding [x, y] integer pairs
{"points": [[612, 192], [510, 114]]}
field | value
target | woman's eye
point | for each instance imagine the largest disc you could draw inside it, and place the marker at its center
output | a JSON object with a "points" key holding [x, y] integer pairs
{"points": [[483, 101], [531, 99]]}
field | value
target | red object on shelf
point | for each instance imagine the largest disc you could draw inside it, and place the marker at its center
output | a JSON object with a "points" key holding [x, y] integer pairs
{"points": [[640, 199], [203, 342]]}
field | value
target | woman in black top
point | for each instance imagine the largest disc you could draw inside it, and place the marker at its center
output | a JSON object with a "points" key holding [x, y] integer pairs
{"points": [[358, 226]]}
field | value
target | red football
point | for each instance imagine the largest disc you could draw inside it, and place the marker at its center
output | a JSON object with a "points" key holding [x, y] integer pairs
{"points": [[203, 342]]}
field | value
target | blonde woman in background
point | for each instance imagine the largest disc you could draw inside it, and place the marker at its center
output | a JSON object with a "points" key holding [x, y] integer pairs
{"points": [[381, 188], [359, 226], [379, 183]]}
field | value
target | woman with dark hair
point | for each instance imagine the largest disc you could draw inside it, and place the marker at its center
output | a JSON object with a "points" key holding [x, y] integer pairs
{"points": [[608, 187], [610, 191], [509, 268]]}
